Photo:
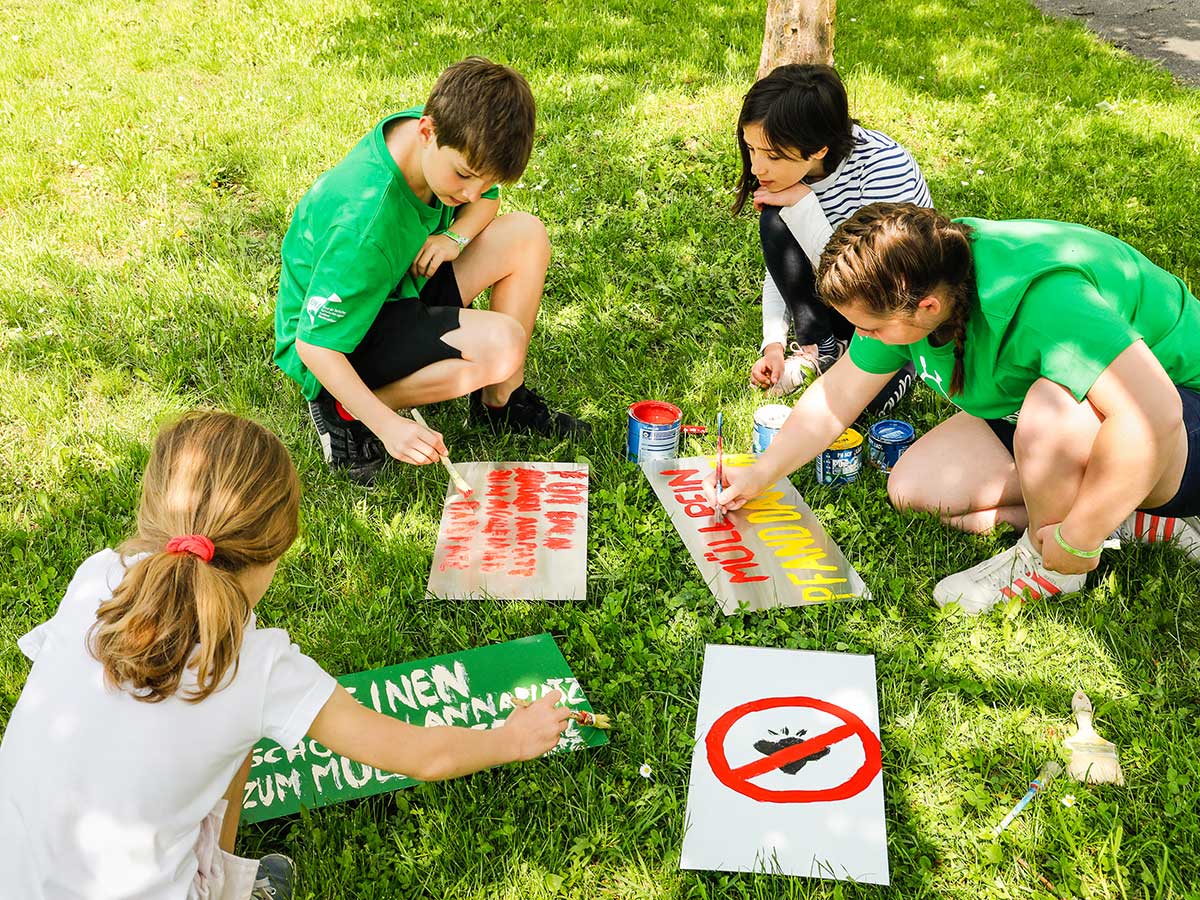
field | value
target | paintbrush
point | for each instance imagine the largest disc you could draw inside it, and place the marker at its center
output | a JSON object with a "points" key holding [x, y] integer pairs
{"points": [[720, 513], [1093, 759], [1044, 777], [460, 483], [580, 716]]}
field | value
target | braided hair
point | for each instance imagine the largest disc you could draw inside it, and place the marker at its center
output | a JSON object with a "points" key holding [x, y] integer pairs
{"points": [[888, 257]]}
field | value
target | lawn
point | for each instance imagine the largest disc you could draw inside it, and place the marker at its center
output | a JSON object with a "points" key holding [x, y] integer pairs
{"points": [[151, 154]]}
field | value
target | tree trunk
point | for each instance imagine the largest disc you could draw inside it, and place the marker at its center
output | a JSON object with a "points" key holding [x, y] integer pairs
{"points": [[798, 31]]}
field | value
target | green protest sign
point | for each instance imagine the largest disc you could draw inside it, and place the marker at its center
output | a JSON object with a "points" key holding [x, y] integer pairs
{"points": [[472, 689]]}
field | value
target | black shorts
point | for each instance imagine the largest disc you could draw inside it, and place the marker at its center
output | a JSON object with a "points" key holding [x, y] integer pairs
{"points": [[407, 335], [1186, 501]]}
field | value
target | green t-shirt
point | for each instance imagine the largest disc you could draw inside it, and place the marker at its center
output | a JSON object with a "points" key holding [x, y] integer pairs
{"points": [[1056, 301], [348, 250]]}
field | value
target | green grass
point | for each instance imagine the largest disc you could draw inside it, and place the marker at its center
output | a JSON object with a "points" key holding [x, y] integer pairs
{"points": [[151, 154]]}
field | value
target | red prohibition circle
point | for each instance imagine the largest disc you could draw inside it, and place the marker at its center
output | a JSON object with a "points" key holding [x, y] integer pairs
{"points": [[739, 779]]}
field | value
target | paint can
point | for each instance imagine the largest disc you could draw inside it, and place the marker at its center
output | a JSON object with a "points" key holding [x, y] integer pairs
{"points": [[842, 462], [767, 422], [653, 431], [887, 440]]}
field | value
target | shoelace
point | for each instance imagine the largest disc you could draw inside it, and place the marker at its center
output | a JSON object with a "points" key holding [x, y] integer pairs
{"points": [[263, 890]]}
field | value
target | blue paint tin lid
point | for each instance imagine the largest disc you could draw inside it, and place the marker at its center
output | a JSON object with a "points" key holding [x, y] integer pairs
{"points": [[892, 431]]}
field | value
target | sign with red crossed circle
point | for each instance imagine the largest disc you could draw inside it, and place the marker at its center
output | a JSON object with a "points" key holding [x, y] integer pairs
{"points": [[739, 779]]}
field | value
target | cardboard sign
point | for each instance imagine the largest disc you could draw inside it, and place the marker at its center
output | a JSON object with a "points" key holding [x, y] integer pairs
{"points": [[522, 534], [472, 689], [771, 552], [786, 773]]}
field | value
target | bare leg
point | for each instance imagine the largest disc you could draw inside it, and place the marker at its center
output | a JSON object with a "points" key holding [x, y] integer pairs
{"points": [[962, 472], [510, 256], [233, 810]]}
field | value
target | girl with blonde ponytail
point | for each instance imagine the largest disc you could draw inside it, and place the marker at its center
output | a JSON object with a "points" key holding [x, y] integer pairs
{"points": [[152, 682], [1074, 362]]}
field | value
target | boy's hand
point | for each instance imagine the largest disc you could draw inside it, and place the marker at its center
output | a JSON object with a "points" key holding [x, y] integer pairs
{"points": [[1056, 559], [767, 370], [535, 729], [787, 197], [412, 443], [438, 249], [741, 486]]}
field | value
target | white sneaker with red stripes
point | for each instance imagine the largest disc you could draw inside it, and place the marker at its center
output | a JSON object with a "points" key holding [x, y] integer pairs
{"points": [[1148, 529], [1016, 573]]}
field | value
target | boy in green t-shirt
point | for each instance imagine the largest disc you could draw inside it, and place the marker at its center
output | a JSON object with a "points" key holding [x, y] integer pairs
{"points": [[383, 258]]}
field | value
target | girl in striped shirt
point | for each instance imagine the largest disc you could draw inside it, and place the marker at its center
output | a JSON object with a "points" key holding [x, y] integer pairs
{"points": [[807, 167]]}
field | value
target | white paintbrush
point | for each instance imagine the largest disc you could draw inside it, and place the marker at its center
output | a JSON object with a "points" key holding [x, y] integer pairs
{"points": [[459, 482]]}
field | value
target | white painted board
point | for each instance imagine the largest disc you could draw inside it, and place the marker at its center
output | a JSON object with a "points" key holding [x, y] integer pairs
{"points": [[759, 799], [521, 534]]}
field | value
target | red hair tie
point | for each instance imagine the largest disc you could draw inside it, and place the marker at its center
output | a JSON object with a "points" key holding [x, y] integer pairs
{"points": [[196, 544]]}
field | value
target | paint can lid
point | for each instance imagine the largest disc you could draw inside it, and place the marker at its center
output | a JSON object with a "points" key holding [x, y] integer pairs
{"points": [[848, 441], [892, 431], [772, 416], [655, 412]]}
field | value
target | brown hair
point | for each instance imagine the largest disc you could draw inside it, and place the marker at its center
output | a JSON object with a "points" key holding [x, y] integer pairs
{"points": [[486, 112], [891, 256], [801, 108], [212, 474]]}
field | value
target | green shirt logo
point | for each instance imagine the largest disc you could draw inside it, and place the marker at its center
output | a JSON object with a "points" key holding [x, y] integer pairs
{"points": [[320, 308]]}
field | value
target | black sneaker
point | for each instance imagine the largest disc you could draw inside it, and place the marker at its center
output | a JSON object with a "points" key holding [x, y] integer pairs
{"points": [[276, 875], [889, 398], [349, 446], [526, 411]]}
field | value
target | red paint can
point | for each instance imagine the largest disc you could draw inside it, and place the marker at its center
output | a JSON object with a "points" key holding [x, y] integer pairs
{"points": [[653, 431]]}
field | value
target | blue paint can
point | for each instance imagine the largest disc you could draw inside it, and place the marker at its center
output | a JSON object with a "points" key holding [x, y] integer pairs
{"points": [[888, 439], [767, 422], [842, 462], [653, 431]]}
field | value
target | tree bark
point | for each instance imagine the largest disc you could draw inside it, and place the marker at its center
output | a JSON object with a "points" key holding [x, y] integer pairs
{"points": [[798, 31]]}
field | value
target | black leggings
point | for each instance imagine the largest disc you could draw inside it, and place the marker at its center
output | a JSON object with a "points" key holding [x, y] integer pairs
{"points": [[812, 320]]}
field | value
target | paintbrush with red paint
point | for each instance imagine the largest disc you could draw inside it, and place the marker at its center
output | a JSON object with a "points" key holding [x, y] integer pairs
{"points": [[720, 513], [460, 483]]}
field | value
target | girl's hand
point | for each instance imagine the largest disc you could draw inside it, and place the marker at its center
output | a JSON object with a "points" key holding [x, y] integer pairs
{"points": [[787, 197], [1056, 559], [535, 729], [409, 442], [437, 249], [767, 370], [741, 486]]}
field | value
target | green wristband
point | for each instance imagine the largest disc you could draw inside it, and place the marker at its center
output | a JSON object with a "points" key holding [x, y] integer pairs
{"points": [[457, 238], [1083, 554]]}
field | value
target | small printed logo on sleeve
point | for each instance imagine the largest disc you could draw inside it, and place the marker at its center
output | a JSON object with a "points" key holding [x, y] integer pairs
{"points": [[322, 308]]}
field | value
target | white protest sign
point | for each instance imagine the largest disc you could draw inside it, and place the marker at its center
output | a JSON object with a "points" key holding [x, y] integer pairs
{"points": [[522, 534], [786, 770], [771, 552]]}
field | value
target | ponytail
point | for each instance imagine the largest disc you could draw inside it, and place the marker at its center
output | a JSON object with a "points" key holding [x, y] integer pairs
{"points": [[220, 495], [888, 257]]}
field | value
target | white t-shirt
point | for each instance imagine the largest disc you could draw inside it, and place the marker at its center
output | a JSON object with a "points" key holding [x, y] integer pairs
{"points": [[877, 169], [102, 795]]}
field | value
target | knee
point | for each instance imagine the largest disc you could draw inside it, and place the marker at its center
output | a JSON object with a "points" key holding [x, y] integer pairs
{"points": [[505, 351], [528, 233], [771, 227], [907, 489], [1053, 422]]}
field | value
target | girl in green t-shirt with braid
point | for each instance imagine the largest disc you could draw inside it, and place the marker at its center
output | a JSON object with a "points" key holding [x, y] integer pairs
{"points": [[1095, 347]]}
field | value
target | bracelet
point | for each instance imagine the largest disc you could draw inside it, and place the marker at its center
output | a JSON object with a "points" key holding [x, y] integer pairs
{"points": [[1074, 551], [457, 238]]}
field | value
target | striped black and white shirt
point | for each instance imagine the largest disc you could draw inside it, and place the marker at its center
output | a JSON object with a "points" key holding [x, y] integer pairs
{"points": [[876, 170]]}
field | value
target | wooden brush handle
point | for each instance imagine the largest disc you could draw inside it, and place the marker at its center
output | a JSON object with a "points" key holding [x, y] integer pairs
{"points": [[1081, 705]]}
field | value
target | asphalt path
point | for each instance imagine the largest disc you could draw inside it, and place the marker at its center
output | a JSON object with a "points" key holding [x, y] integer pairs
{"points": [[1165, 31]]}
